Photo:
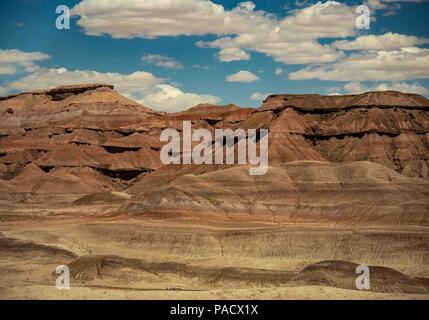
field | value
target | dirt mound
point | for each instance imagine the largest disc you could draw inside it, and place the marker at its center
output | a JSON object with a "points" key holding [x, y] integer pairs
{"points": [[32, 179], [99, 267], [106, 197], [296, 192], [338, 274], [92, 267], [28, 249], [342, 274]]}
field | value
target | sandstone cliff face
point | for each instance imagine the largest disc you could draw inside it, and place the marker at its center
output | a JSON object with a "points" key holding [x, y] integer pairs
{"points": [[389, 128], [350, 156], [75, 129]]}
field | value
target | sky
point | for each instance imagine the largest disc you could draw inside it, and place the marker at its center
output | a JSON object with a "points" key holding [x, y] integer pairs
{"points": [[171, 55]]}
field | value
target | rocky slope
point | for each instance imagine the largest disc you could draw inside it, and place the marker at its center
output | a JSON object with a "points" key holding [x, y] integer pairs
{"points": [[355, 157]]}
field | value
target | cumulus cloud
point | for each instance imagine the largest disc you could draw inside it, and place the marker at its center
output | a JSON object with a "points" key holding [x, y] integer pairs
{"points": [[388, 41], [402, 86], [278, 71], [156, 18], [162, 61], [242, 76], [167, 98], [141, 86], [292, 39], [12, 61], [233, 54], [132, 84], [375, 4], [357, 87], [149, 18], [257, 96], [389, 7], [383, 4], [403, 64], [282, 51]]}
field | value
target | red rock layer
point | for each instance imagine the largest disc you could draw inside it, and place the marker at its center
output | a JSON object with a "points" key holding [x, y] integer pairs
{"points": [[366, 153]]}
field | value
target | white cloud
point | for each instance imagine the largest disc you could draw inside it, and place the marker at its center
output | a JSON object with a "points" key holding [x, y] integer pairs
{"points": [[233, 54], [133, 85], [330, 19], [12, 61], [257, 96], [389, 7], [199, 66], [140, 86], [357, 87], [302, 3], [161, 61], [3, 92], [242, 76], [375, 4], [404, 64], [7, 69], [149, 18], [167, 98], [292, 39], [388, 41], [155, 18], [278, 71], [402, 86]]}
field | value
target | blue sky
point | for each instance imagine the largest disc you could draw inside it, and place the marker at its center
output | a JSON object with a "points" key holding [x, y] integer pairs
{"points": [[196, 73]]}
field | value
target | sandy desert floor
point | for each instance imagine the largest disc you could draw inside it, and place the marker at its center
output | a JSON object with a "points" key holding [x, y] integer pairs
{"points": [[174, 255]]}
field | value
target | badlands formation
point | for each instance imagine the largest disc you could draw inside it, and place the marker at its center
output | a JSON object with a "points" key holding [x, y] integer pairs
{"points": [[82, 185]]}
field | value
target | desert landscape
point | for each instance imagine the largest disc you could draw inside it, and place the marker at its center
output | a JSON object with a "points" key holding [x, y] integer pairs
{"points": [[82, 185]]}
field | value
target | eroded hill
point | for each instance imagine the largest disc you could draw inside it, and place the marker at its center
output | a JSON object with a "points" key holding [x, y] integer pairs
{"points": [[343, 158]]}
